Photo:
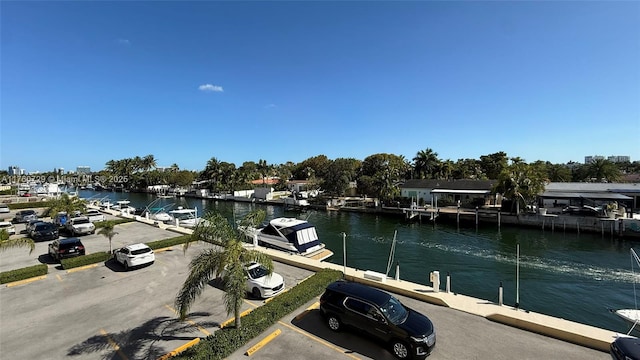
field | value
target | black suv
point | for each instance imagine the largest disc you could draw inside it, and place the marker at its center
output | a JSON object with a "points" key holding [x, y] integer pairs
{"points": [[44, 231], [66, 248], [408, 333]]}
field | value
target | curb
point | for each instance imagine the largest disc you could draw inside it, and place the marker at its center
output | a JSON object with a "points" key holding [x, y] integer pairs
{"points": [[25, 281]]}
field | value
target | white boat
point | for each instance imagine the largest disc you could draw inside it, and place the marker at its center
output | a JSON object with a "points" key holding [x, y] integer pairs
{"points": [[123, 205], [632, 316], [296, 202], [291, 235], [182, 217], [160, 214]]}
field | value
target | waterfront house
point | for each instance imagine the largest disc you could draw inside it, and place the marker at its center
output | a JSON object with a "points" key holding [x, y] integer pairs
{"points": [[469, 193]]}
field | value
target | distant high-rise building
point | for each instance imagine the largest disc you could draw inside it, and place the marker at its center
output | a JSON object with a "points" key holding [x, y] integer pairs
{"points": [[619, 158], [590, 159], [612, 158], [14, 170], [83, 170]]}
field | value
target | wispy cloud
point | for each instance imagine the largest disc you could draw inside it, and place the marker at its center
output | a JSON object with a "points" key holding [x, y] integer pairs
{"points": [[210, 88], [270, 106], [124, 42]]}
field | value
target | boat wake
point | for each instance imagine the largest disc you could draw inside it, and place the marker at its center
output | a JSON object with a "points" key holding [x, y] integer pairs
{"points": [[537, 263]]}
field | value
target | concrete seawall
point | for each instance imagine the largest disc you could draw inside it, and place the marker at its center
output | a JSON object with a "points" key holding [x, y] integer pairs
{"points": [[577, 333]]}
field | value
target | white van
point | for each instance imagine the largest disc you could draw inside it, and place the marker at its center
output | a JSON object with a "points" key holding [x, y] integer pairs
{"points": [[4, 208]]}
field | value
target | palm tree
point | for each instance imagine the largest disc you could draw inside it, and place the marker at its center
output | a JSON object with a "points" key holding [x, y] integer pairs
{"points": [[226, 259], [520, 182], [426, 163], [107, 231], [6, 244], [68, 204], [601, 169]]}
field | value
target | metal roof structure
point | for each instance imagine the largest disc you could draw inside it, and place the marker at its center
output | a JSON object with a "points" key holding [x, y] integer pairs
{"points": [[584, 195]]}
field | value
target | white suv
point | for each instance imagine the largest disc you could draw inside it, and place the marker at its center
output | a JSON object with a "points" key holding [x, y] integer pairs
{"points": [[260, 284], [95, 215], [80, 226], [134, 255]]}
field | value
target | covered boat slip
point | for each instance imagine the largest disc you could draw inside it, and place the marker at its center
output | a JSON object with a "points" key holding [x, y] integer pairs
{"points": [[557, 198]]}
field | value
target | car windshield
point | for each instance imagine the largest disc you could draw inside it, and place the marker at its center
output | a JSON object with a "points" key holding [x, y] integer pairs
{"points": [[67, 245], [140, 251], [258, 272], [44, 227], [80, 221], [394, 311]]}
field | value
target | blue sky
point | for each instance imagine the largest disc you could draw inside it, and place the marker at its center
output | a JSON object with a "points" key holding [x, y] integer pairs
{"points": [[86, 82]]}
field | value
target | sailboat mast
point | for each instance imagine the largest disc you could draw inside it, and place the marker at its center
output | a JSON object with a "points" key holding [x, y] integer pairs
{"points": [[392, 252], [517, 276]]}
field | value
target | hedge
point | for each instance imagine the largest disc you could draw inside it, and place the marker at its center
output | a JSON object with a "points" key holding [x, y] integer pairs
{"points": [[159, 244], [226, 341], [24, 273], [83, 260], [30, 205]]}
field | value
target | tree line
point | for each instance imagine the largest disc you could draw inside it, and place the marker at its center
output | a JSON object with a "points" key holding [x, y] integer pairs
{"points": [[378, 175]]}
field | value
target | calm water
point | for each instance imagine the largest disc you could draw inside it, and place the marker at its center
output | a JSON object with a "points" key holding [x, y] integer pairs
{"points": [[576, 277]]}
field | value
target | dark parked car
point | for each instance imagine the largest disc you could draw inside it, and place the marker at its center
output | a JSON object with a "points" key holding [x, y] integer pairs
{"points": [[44, 231], [23, 216], [66, 248], [585, 210], [625, 348], [406, 332]]}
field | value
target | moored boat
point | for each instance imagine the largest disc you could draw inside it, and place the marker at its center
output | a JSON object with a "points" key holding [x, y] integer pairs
{"points": [[291, 235], [183, 217]]}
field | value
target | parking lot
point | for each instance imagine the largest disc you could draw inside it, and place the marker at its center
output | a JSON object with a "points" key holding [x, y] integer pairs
{"points": [[103, 312]]}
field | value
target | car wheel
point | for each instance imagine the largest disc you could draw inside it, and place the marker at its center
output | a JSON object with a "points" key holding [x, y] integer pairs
{"points": [[334, 323], [400, 349], [256, 293]]}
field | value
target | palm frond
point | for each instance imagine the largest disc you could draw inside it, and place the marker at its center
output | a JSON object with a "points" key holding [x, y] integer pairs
{"points": [[201, 269], [17, 243]]}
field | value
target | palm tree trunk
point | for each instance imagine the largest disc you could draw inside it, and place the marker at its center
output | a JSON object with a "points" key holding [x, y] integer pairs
{"points": [[237, 316]]}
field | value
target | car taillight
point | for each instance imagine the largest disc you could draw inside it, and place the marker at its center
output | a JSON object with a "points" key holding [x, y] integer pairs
{"points": [[62, 251], [80, 247]]}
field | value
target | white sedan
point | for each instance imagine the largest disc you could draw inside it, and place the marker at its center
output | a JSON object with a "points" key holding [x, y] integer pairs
{"points": [[260, 284], [134, 255]]}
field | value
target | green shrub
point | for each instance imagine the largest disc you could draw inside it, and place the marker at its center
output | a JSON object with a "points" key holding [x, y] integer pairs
{"points": [[24, 273], [29, 205], [159, 244], [83, 260], [225, 341]]}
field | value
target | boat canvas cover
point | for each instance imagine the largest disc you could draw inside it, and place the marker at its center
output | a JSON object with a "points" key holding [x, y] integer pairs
{"points": [[302, 236]]}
